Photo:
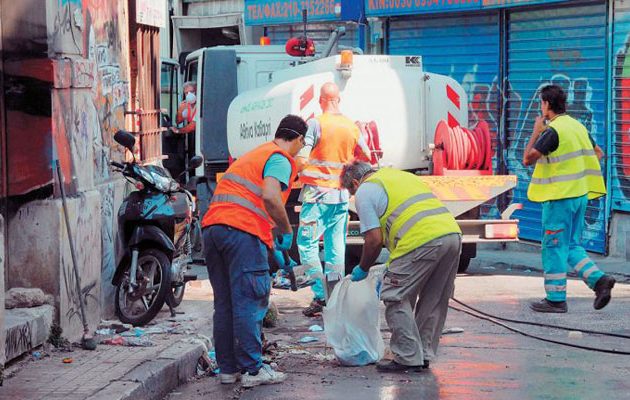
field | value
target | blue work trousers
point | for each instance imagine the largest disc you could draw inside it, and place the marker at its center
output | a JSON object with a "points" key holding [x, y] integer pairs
{"points": [[563, 223], [239, 275], [330, 220]]}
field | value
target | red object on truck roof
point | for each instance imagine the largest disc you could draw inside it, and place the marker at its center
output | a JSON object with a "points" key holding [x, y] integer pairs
{"points": [[300, 47]]}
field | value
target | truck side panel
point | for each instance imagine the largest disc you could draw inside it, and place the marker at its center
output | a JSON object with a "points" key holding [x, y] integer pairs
{"points": [[219, 89]]}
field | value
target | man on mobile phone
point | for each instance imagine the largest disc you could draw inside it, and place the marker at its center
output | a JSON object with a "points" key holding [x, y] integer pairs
{"points": [[567, 175]]}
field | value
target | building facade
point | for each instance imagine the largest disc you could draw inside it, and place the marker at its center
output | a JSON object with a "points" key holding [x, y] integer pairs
{"points": [[73, 73], [282, 20]]}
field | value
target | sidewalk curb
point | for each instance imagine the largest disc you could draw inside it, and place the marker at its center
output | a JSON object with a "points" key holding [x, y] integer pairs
{"points": [[154, 379]]}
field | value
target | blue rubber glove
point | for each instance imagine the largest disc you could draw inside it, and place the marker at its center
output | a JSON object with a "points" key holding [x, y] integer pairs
{"points": [[283, 241], [279, 257], [358, 274]]}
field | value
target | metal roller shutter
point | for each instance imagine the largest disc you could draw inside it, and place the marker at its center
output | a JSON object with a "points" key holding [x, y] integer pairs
{"points": [[466, 48], [620, 156], [567, 46]]}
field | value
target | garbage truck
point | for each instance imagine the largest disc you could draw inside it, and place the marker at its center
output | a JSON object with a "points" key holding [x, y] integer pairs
{"points": [[411, 119]]}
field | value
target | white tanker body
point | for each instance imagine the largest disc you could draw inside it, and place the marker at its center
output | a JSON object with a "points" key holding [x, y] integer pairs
{"points": [[405, 103], [412, 121]]}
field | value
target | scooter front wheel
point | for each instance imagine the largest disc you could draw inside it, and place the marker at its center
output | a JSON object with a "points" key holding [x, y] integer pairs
{"points": [[139, 305]]}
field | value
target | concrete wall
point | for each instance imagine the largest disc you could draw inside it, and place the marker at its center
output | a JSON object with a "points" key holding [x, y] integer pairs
{"points": [[87, 111], [2, 319], [215, 7], [45, 261], [81, 66]]}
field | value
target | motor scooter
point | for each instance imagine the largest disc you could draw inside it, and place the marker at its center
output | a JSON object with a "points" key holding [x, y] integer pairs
{"points": [[155, 223]]}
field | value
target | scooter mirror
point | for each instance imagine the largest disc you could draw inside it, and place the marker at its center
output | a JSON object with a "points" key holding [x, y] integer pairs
{"points": [[125, 139], [195, 162]]}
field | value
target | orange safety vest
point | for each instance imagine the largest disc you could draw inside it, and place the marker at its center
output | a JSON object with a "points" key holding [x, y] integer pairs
{"points": [[190, 115], [339, 137], [237, 200]]}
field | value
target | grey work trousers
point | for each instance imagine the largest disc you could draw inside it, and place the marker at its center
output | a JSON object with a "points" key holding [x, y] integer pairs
{"points": [[420, 282]]}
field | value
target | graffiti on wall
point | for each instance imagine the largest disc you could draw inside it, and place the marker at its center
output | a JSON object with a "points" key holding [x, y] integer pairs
{"points": [[18, 339], [66, 97], [81, 98], [87, 239], [483, 102], [66, 35], [622, 131]]}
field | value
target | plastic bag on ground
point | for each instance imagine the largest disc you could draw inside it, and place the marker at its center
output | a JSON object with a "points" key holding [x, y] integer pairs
{"points": [[352, 320]]}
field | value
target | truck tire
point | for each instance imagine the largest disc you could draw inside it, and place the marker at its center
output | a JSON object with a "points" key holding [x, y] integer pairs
{"points": [[469, 251], [464, 262]]}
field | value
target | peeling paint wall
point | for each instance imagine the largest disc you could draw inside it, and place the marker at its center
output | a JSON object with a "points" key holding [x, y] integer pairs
{"points": [[2, 332], [67, 66]]}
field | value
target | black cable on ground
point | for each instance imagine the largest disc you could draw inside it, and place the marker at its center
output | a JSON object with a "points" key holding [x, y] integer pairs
{"points": [[577, 346], [516, 321]]}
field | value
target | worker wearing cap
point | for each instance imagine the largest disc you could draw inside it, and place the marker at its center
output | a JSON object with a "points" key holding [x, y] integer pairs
{"points": [[248, 202], [397, 209], [330, 143], [567, 175]]}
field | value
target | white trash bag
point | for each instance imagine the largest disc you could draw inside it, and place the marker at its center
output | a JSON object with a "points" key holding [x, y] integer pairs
{"points": [[352, 320]]}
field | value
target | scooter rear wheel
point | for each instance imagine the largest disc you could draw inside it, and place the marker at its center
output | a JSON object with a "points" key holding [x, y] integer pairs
{"points": [[153, 278], [176, 295]]}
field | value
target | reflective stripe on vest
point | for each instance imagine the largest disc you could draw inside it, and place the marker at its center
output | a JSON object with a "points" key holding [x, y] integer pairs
{"points": [[414, 216], [338, 139], [415, 219], [237, 200], [230, 198], [572, 170], [566, 157], [329, 164], [399, 210], [566, 178], [244, 182], [320, 175]]}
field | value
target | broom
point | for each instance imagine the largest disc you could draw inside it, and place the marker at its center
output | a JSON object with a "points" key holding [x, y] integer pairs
{"points": [[87, 341]]}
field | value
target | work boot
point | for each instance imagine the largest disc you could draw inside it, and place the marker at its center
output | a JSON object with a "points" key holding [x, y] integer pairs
{"points": [[316, 307], [603, 288], [546, 306], [393, 366], [265, 376]]}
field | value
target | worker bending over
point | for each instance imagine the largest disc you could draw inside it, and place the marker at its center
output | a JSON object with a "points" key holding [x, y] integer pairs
{"points": [[397, 209], [237, 230], [567, 175], [330, 143]]}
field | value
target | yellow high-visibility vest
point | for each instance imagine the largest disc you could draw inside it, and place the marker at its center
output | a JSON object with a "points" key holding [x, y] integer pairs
{"points": [[414, 216], [572, 170]]}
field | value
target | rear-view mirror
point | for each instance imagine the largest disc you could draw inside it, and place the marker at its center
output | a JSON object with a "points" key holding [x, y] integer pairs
{"points": [[195, 162], [125, 139]]}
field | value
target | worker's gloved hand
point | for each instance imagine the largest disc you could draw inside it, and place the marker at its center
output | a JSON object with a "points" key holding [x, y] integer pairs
{"points": [[279, 257], [283, 241], [358, 274]]}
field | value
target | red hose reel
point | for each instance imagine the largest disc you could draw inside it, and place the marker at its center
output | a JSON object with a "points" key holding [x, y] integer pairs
{"points": [[458, 148]]}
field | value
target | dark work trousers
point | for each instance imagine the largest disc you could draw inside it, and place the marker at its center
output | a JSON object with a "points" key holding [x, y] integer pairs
{"points": [[239, 275]]}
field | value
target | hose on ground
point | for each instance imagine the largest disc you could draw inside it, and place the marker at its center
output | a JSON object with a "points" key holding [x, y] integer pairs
{"points": [[495, 320]]}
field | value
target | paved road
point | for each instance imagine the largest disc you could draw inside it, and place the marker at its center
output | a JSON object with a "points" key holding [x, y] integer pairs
{"points": [[484, 362]]}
